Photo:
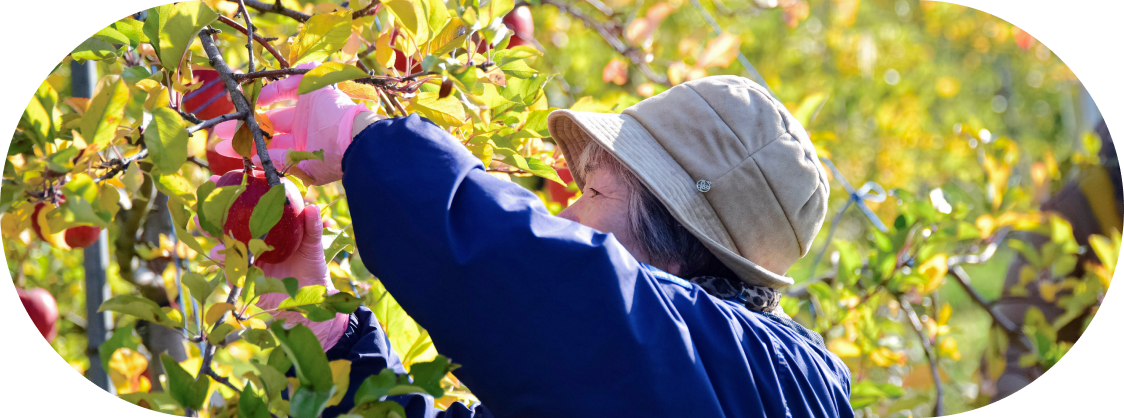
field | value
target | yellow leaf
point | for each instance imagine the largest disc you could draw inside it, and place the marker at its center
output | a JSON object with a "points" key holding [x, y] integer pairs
{"points": [[720, 51], [444, 111], [885, 357], [341, 375], [946, 313], [323, 34], [934, 269], [950, 349], [844, 348], [216, 311], [986, 224]]}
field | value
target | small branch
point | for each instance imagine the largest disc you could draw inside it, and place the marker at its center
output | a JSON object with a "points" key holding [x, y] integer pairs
{"points": [[190, 117], [263, 41], [273, 74], [195, 160], [222, 380], [276, 8], [609, 31], [938, 407], [998, 318], [240, 104], [119, 165], [249, 35], [207, 124]]}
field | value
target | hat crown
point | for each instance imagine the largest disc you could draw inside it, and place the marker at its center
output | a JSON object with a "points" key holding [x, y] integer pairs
{"points": [[767, 186]]}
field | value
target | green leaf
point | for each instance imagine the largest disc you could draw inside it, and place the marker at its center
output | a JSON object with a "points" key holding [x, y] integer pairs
{"points": [[251, 406], [505, 56], [260, 337], [298, 156], [292, 286], [201, 197], [268, 211], [279, 361], [342, 302], [113, 36], [518, 68], [218, 204], [137, 306], [94, 49], [132, 29], [335, 241], [122, 337], [156, 18], [308, 403], [176, 33], [428, 375], [218, 334], [327, 74], [38, 117], [166, 138], [529, 164], [174, 185], [302, 347], [323, 34], [384, 409], [188, 392], [435, 14], [61, 161], [264, 285], [274, 380], [198, 285], [443, 111], [99, 123], [308, 295], [376, 387]]}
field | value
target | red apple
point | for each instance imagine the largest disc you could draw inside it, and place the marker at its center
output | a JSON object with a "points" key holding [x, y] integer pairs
{"points": [[35, 221], [209, 101], [522, 23], [558, 192], [81, 236], [42, 309], [286, 234], [221, 164]]}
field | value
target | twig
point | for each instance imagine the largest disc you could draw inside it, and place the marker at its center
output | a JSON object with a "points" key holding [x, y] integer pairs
{"points": [[264, 43], [276, 7], [938, 407], [222, 380], [190, 117], [714, 26], [207, 124], [632, 53], [195, 160], [997, 317], [284, 72], [118, 165], [240, 104]]}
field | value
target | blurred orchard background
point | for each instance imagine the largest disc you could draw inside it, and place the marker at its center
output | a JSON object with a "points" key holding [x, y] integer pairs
{"points": [[943, 129]]}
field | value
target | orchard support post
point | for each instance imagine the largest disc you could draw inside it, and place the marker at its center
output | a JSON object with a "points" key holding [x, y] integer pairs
{"points": [[96, 256]]}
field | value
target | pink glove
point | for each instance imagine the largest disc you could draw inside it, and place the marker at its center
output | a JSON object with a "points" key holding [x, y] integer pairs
{"points": [[321, 120], [308, 266]]}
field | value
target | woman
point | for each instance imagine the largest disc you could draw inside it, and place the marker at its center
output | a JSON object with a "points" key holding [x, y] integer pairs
{"points": [[654, 294]]}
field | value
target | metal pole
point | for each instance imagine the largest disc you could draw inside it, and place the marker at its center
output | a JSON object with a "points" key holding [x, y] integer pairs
{"points": [[83, 77]]}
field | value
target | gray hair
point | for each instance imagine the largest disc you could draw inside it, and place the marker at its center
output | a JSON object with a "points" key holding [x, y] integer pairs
{"points": [[660, 236]]}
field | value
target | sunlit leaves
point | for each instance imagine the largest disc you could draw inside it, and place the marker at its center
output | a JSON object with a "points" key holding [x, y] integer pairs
{"points": [[327, 74], [447, 111], [175, 27], [322, 35], [189, 392], [302, 347], [136, 306], [166, 138], [99, 122]]}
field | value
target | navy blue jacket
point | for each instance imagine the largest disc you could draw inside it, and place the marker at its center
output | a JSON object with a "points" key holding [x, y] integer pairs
{"points": [[550, 318]]}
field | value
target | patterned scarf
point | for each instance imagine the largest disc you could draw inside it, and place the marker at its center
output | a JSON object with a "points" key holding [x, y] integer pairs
{"points": [[755, 298]]}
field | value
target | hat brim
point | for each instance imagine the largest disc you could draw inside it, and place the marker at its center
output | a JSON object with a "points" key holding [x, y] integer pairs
{"points": [[626, 139]]}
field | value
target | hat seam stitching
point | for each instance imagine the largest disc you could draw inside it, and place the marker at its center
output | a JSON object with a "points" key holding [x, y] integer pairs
{"points": [[788, 217], [741, 142]]}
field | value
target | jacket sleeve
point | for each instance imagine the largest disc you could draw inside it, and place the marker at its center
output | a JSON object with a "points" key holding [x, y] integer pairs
{"points": [[546, 317]]}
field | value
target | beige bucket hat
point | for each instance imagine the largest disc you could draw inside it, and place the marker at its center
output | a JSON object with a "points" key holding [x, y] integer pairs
{"points": [[727, 160]]}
